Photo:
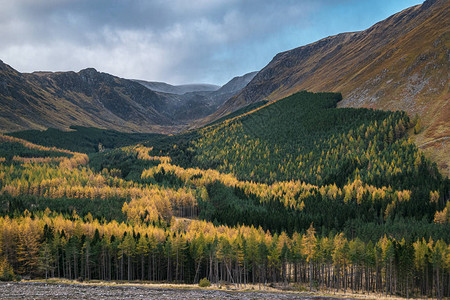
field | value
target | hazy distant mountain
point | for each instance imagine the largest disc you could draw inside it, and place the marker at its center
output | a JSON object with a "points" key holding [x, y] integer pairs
{"points": [[401, 63], [178, 89], [194, 105]]}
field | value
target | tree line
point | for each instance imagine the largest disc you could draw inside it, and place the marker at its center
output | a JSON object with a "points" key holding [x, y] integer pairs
{"points": [[55, 245]]}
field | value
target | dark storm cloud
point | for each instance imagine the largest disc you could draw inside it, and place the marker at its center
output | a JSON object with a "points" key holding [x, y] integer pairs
{"points": [[176, 41]]}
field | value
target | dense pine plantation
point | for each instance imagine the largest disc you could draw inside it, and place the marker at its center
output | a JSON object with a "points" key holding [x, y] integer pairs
{"points": [[296, 192], [83, 139], [305, 137], [363, 168]]}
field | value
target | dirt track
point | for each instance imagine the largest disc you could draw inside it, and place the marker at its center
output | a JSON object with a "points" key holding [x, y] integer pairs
{"points": [[38, 290]]}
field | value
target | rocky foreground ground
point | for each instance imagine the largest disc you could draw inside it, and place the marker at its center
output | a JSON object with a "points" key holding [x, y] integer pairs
{"points": [[49, 291]]}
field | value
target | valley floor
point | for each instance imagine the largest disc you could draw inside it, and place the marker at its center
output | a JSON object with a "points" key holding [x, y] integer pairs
{"points": [[65, 289]]}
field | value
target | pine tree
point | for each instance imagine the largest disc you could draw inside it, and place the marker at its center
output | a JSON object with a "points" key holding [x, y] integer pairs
{"points": [[46, 259]]}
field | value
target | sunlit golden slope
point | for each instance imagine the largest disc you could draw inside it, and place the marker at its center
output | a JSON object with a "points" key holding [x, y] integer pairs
{"points": [[400, 63]]}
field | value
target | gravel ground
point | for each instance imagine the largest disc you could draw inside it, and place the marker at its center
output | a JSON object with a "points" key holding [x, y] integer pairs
{"points": [[38, 290]]}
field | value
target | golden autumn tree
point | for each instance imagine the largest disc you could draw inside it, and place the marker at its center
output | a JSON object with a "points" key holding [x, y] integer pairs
{"points": [[309, 245], [28, 247]]}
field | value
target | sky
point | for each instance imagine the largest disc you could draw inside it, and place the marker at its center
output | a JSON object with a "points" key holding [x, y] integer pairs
{"points": [[174, 41]]}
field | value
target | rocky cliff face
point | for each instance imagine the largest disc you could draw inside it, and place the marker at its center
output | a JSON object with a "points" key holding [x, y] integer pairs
{"points": [[400, 63]]}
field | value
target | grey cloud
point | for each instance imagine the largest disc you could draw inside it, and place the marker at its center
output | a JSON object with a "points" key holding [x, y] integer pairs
{"points": [[176, 41]]}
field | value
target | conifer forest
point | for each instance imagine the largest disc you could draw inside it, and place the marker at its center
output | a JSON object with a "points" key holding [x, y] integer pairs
{"points": [[292, 192]]}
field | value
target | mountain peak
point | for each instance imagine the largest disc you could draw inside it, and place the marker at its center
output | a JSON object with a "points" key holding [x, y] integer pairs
{"points": [[88, 71]]}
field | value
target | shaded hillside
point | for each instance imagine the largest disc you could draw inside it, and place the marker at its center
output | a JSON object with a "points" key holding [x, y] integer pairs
{"points": [[400, 63], [83, 139], [87, 98]]}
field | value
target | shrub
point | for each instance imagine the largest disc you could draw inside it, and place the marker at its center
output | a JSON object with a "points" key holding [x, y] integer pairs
{"points": [[6, 271], [204, 283]]}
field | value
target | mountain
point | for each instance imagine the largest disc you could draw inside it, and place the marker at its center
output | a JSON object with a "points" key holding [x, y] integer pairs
{"points": [[90, 98], [177, 89], [400, 63], [87, 98], [231, 88]]}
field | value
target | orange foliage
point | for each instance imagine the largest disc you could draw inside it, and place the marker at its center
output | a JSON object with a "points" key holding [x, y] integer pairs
{"points": [[142, 153], [443, 217], [285, 191]]}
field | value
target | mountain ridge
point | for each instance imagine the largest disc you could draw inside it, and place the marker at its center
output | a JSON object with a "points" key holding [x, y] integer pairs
{"points": [[86, 98], [90, 98]]}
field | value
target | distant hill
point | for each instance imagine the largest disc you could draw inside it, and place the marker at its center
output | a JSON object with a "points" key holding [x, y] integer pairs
{"points": [[400, 63], [177, 89], [233, 87], [236, 84]]}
